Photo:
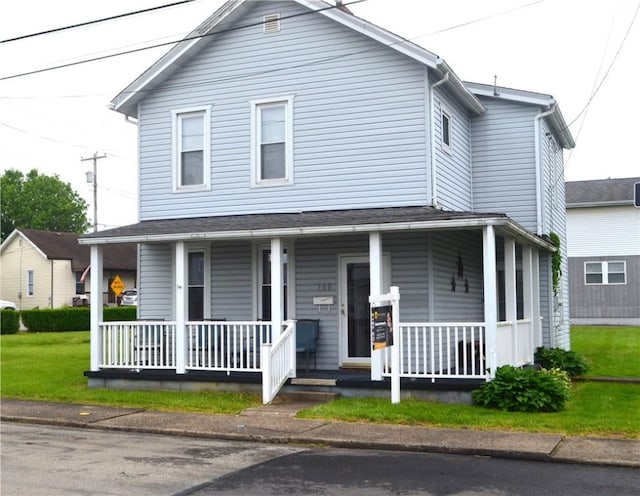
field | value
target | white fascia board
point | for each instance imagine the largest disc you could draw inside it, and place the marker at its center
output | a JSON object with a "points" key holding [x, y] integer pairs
{"points": [[173, 55], [510, 94], [507, 224], [17, 233], [401, 45]]}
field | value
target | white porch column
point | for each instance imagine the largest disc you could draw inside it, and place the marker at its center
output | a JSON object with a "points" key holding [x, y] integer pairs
{"points": [[375, 288], [96, 307], [510, 299], [277, 310], [490, 294], [181, 305]]}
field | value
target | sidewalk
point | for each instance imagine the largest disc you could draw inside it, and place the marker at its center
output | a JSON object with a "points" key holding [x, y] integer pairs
{"points": [[277, 424]]}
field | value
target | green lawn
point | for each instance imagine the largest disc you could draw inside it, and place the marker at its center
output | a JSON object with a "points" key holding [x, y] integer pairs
{"points": [[50, 366], [610, 351]]}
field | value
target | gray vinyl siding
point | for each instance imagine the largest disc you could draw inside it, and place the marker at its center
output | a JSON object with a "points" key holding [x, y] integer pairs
{"points": [[410, 272], [453, 166], [232, 281], [504, 177], [546, 299], [458, 305], [554, 220], [155, 280], [317, 274], [360, 132], [605, 303]]}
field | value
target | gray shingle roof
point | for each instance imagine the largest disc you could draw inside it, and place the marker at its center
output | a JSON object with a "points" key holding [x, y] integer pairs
{"points": [[600, 192], [64, 246], [258, 222]]}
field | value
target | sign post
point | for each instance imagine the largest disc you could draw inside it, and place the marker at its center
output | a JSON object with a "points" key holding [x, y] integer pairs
{"points": [[385, 332]]}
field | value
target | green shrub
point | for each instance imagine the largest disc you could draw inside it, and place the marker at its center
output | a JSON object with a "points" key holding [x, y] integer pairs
{"points": [[557, 358], [71, 318], [9, 321], [524, 390]]}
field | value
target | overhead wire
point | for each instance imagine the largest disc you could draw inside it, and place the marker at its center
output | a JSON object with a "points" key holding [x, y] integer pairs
{"points": [[95, 21], [168, 43]]}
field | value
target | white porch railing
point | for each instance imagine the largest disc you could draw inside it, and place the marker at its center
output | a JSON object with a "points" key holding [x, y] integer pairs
{"points": [[226, 346], [138, 345], [514, 344], [440, 351], [279, 362], [215, 346]]}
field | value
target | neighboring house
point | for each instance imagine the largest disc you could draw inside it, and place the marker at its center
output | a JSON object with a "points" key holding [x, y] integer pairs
{"points": [[295, 159], [603, 231], [46, 269]]}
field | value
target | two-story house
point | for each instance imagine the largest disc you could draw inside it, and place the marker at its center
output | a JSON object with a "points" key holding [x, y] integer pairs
{"points": [[603, 249], [294, 160]]}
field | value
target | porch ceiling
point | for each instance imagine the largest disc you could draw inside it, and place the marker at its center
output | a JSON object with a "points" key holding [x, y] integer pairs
{"points": [[312, 223]]}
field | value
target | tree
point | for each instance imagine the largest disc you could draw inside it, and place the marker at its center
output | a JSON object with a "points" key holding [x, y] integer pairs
{"points": [[38, 201]]}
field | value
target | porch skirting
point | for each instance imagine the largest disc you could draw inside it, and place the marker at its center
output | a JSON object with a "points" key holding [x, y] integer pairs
{"points": [[345, 383]]}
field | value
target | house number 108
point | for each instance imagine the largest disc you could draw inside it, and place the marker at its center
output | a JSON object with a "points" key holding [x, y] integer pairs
{"points": [[324, 287]]}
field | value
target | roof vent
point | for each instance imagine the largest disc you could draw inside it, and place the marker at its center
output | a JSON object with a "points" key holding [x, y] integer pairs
{"points": [[271, 23]]}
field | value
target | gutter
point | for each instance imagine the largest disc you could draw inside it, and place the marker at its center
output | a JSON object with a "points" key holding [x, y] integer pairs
{"points": [[538, 165], [432, 137]]}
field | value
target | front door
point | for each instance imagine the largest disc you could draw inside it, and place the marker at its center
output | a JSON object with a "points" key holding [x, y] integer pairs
{"points": [[355, 323]]}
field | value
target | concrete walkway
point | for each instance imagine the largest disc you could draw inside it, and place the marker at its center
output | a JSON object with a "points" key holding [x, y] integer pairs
{"points": [[277, 424]]}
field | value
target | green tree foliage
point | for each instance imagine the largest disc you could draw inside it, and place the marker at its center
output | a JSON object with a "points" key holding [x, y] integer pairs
{"points": [[38, 201]]}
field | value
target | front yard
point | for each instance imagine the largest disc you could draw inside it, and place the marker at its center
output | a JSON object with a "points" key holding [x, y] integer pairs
{"points": [[50, 366]]}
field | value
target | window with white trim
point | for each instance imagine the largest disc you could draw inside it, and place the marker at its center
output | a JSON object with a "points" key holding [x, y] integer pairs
{"points": [[610, 272], [272, 142], [264, 283], [446, 129], [191, 148], [30, 283]]}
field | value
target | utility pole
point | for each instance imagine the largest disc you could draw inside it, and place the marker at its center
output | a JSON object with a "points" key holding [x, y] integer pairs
{"points": [[94, 180]]}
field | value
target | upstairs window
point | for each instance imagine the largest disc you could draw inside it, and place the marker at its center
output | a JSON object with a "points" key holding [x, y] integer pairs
{"points": [[191, 149], [446, 130], [605, 273], [272, 142]]}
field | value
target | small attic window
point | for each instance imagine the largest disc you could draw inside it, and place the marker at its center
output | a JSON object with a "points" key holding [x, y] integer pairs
{"points": [[271, 23]]}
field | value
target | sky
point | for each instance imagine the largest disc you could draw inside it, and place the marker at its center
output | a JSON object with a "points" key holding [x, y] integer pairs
{"points": [[585, 53]]}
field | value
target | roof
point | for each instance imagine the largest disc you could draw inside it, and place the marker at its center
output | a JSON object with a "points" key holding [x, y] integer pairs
{"points": [[64, 246], [312, 223], [600, 192], [227, 16], [546, 102]]}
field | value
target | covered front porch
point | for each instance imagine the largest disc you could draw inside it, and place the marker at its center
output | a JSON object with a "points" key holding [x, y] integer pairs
{"points": [[497, 301]]}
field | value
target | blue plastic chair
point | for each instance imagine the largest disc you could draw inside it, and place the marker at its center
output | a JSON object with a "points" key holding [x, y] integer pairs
{"points": [[307, 331]]}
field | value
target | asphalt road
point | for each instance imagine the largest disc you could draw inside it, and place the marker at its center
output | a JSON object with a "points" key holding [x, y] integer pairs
{"points": [[48, 460]]}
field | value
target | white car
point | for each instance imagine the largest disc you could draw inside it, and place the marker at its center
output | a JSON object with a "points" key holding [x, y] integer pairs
{"points": [[129, 297], [7, 305]]}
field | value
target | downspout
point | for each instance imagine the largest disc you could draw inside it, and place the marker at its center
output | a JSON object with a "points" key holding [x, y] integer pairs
{"points": [[434, 190], [51, 286], [538, 165]]}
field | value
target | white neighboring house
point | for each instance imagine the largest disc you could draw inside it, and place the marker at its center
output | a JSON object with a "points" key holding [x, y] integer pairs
{"points": [[46, 269], [603, 246]]}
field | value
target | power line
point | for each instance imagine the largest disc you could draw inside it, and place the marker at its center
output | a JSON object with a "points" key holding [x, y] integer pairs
{"points": [[159, 45], [606, 74], [96, 21]]}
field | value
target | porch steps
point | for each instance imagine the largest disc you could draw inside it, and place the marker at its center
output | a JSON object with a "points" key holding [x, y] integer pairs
{"points": [[311, 381]]}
